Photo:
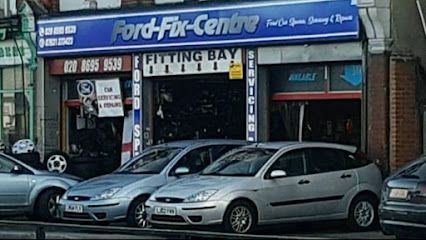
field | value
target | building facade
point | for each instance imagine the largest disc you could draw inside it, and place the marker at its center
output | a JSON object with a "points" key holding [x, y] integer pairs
{"points": [[118, 81], [17, 72]]}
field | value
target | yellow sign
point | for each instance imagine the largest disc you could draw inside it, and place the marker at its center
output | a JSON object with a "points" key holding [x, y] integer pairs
{"points": [[236, 71]]}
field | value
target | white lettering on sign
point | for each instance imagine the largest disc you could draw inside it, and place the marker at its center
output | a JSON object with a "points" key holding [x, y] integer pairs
{"points": [[113, 64], [108, 95], [137, 106], [251, 95], [173, 27], [70, 66], [92, 65], [190, 62]]}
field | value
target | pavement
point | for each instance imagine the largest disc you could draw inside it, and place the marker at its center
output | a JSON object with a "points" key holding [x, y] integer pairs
{"points": [[315, 230]]}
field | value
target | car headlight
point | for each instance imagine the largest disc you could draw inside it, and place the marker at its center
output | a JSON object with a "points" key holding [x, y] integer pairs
{"points": [[201, 196], [107, 194]]}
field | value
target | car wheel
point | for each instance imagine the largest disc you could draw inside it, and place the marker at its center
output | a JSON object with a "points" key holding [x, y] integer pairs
{"points": [[46, 206], [240, 217], [136, 216], [57, 162], [363, 213]]}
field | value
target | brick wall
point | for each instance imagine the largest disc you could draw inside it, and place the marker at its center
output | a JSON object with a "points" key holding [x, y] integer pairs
{"points": [[405, 130], [377, 109]]}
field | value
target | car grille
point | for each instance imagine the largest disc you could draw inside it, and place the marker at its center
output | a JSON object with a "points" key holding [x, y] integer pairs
{"points": [[162, 218], [169, 200], [78, 198], [80, 216]]}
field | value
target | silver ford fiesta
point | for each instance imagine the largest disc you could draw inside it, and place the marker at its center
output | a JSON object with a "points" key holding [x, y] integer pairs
{"points": [[121, 195], [272, 183]]}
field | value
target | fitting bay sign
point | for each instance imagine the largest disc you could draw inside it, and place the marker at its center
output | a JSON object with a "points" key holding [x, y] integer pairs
{"points": [[190, 62]]}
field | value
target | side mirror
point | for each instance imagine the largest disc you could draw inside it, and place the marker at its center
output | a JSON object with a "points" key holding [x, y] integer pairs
{"points": [[278, 174], [181, 171], [16, 169]]}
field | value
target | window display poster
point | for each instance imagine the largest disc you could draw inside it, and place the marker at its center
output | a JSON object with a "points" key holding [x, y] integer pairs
{"points": [[108, 95]]}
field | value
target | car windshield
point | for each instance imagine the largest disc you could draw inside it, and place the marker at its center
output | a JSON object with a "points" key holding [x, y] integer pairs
{"points": [[152, 161], [243, 162]]}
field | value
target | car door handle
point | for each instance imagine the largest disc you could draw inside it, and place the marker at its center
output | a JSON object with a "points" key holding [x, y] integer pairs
{"points": [[304, 181], [346, 176]]}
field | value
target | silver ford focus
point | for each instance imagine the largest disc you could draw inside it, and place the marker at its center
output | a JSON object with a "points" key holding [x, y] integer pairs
{"points": [[25, 190], [121, 195], [272, 183]]}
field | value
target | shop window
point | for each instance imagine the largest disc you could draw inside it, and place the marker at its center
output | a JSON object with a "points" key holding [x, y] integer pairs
{"points": [[298, 78], [126, 89], [345, 77], [15, 105]]}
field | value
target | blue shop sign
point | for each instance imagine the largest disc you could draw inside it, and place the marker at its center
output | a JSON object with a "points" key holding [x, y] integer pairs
{"points": [[245, 24]]}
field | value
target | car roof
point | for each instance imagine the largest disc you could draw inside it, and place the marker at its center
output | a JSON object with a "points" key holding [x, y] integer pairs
{"points": [[187, 143], [281, 145]]}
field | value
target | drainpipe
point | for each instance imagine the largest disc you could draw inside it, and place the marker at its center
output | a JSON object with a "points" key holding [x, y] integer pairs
{"points": [[422, 17]]}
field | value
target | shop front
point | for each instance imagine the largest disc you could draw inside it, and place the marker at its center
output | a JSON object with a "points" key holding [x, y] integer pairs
{"points": [[212, 72], [319, 99], [96, 100]]}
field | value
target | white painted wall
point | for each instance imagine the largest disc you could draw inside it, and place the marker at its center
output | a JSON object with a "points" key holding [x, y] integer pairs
{"points": [[11, 5], [72, 5]]}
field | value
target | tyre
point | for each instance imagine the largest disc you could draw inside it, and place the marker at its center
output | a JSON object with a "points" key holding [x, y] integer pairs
{"points": [[56, 161], [240, 217], [363, 213], [136, 215], [46, 207]]}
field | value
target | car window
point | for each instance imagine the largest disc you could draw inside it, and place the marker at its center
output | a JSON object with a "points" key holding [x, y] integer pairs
{"points": [[353, 160], [151, 161], [293, 163], [324, 160], [6, 165], [195, 160], [241, 162]]}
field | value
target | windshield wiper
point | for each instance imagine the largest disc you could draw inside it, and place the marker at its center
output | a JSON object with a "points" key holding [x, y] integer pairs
{"points": [[410, 176], [209, 174], [145, 172]]}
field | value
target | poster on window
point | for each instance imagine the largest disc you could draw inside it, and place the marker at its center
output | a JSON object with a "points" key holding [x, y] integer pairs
{"points": [[108, 95]]}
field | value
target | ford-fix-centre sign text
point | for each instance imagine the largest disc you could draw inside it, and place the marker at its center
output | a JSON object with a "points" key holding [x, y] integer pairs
{"points": [[215, 26]]}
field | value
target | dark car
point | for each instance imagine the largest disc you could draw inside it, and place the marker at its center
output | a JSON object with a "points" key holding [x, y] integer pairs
{"points": [[403, 203]]}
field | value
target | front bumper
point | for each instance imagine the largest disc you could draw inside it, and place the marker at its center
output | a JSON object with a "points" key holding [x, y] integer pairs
{"points": [[403, 219], [199, 213], [96, 211]]}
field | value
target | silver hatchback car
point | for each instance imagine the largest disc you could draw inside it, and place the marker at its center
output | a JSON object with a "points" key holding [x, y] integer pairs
{"points": [[270, 183], [25, 190], [121, 195]]}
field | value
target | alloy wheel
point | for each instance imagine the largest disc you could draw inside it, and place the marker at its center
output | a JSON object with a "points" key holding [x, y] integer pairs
{"points": [[140, 215], [56, 163], [364, 214], [241, 219]]}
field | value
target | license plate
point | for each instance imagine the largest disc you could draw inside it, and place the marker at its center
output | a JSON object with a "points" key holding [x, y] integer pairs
{"points": [[165, 211], [398, 193], [74, 208]]}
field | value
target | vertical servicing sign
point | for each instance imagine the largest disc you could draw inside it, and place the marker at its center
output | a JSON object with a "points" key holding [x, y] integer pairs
{"points": [[137, 105], [241, 24], [251, 94]]}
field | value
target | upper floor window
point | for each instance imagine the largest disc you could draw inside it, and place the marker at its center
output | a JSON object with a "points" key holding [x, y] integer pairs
{"points": [[67, 5]]}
